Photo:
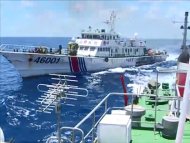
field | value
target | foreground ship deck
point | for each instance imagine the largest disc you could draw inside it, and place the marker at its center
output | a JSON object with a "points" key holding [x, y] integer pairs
{"points": [[143, 135]]}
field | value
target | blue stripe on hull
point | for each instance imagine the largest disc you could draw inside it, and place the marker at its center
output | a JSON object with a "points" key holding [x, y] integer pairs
{"points": [[85, 69], [81, 62], [70, 64]]}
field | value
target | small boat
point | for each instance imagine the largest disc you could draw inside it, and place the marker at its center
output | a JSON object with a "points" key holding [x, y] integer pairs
{"points": [[95, 50]]}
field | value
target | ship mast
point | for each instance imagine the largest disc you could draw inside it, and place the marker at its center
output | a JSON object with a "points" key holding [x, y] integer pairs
{"points": [[184, 47], [111, 22], [184, 56]]}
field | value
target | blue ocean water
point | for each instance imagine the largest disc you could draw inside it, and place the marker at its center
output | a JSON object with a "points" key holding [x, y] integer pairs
{"points": [[18, 117]]}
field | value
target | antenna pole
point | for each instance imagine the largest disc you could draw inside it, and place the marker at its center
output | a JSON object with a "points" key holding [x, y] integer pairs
{"points": [[58, 112], [184, 47], [112, 21]]}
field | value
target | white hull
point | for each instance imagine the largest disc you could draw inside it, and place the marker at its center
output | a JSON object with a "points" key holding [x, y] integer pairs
{"points": [[33, 64]]}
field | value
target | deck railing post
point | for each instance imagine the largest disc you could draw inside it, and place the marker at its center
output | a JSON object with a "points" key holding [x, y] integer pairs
{"points": [[93, 126], [106, 105], [156, 100]]}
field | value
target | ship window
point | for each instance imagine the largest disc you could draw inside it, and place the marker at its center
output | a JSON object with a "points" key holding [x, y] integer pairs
{"points": [[86, 48], [116, 50], [81, 48], [96, 36], [89, 36], [107, 37], [130, 50], [102, 37], [110, 37], [84, 36], [92, 48], [125, 50]]}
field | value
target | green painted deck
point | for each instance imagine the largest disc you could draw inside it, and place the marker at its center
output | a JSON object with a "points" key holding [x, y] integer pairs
{"points": [[146, 134]]}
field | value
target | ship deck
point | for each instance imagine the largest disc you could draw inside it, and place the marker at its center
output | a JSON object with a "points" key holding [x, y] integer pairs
{"points": [[146, 133], [147, 136]]}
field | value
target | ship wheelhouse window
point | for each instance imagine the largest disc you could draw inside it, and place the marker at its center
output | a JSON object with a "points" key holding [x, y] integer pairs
{"points": [[126, 50], [100, 49], [96, 36], [81, 48], [89, 36], [102, 37], [92, 48], [86, 48], [84, 36]]}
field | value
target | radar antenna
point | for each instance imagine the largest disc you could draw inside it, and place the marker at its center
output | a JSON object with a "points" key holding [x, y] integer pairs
{"points": [[54, 93]]}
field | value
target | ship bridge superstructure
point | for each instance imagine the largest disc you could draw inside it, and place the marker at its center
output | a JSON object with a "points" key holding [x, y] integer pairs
{"points": [[100, 43]]}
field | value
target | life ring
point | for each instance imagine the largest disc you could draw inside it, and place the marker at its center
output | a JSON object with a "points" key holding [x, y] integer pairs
{"points": [[106, 59]]}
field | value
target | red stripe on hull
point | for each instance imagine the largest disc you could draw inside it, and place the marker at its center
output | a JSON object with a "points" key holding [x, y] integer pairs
{"points": [[75, 64], [181, 79]]}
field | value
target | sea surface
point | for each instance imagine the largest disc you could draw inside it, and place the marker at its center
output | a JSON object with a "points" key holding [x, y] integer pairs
{"points": [[18, 116]]}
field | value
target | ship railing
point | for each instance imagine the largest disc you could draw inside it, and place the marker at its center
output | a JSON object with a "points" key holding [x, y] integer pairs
{"points": [[171, 70], [71, 139], [32, 49], [19, 48], [104, 105]]}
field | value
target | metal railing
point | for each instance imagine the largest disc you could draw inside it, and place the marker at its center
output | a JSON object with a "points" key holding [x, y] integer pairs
{"points": [[32, 49], [104, 103]]}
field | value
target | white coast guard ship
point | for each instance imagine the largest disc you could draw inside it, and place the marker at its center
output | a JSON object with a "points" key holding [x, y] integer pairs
{"points": [[93, 51]]}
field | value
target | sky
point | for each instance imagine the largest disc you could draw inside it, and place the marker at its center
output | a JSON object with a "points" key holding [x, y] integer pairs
{"points": [[56, 18]]}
